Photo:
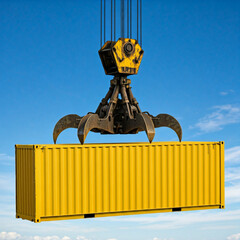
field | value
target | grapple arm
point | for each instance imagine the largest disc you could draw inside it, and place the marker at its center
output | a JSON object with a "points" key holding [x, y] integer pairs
{"points": [[166, 120], [68, 121]]}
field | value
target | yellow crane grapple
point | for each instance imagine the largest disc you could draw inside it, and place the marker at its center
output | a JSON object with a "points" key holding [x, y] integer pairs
{"points": [[119, 111]]}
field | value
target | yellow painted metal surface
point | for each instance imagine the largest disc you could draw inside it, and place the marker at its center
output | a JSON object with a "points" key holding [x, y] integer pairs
{"points": [[25, 185], [118, 61], [56, 182], [125, 62]]}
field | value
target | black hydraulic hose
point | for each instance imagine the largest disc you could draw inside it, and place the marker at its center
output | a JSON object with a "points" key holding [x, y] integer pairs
{"points": [[105, 99], [133, 99]]}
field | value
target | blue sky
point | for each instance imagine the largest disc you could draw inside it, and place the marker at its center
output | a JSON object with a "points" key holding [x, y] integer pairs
{"points": [[49, 67]]}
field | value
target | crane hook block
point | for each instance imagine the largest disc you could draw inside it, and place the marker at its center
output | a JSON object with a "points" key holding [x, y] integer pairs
{"points": [[121, 57]]}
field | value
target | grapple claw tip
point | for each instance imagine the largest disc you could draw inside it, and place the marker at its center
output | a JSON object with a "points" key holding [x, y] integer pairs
{"points": [[166, 120], [68, 121]]}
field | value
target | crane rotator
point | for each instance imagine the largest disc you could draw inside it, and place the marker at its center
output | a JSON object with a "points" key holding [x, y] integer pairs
{"points": [[116, 115]]}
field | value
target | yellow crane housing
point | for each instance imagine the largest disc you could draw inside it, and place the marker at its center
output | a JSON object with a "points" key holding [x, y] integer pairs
{"points": [[121, 57]]}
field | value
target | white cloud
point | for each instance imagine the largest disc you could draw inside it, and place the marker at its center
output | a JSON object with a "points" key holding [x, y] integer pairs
{"points": [[155, 238], [6, 159], [220, 227], [233, 193], [179, 220], [62, 228], [232, 174], [7, 209], [46, 238], [7, 182], [17, 236], [81, 238], [9, 236], [233, 154], [66, 238], [224, 93], [221, 116], [234, 237]]}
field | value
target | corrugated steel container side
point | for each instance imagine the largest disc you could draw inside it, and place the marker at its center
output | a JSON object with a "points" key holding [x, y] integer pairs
{"points": [[25, 182], [93, 180]]}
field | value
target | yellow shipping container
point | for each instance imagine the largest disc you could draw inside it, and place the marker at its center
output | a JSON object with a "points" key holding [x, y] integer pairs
{"points": [[56, 182]]}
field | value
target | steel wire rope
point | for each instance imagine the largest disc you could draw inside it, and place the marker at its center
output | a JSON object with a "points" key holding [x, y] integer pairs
{"points": [[111, 18], [101, 24], [141, 23], [122, 18], [137, 19], [130, 18], [122, 22], [114, 20], [104, 22]]}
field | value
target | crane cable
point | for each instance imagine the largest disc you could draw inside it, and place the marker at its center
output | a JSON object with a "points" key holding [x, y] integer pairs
{"points": [[140, 22], [122, 18], [111, 17], [137, 19], [130, 18], [104, 21], [114, 20], [101, 24], [122, 22]]}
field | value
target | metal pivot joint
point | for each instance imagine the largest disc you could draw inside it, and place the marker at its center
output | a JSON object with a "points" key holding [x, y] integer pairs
{"points": [[116, 115]]}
